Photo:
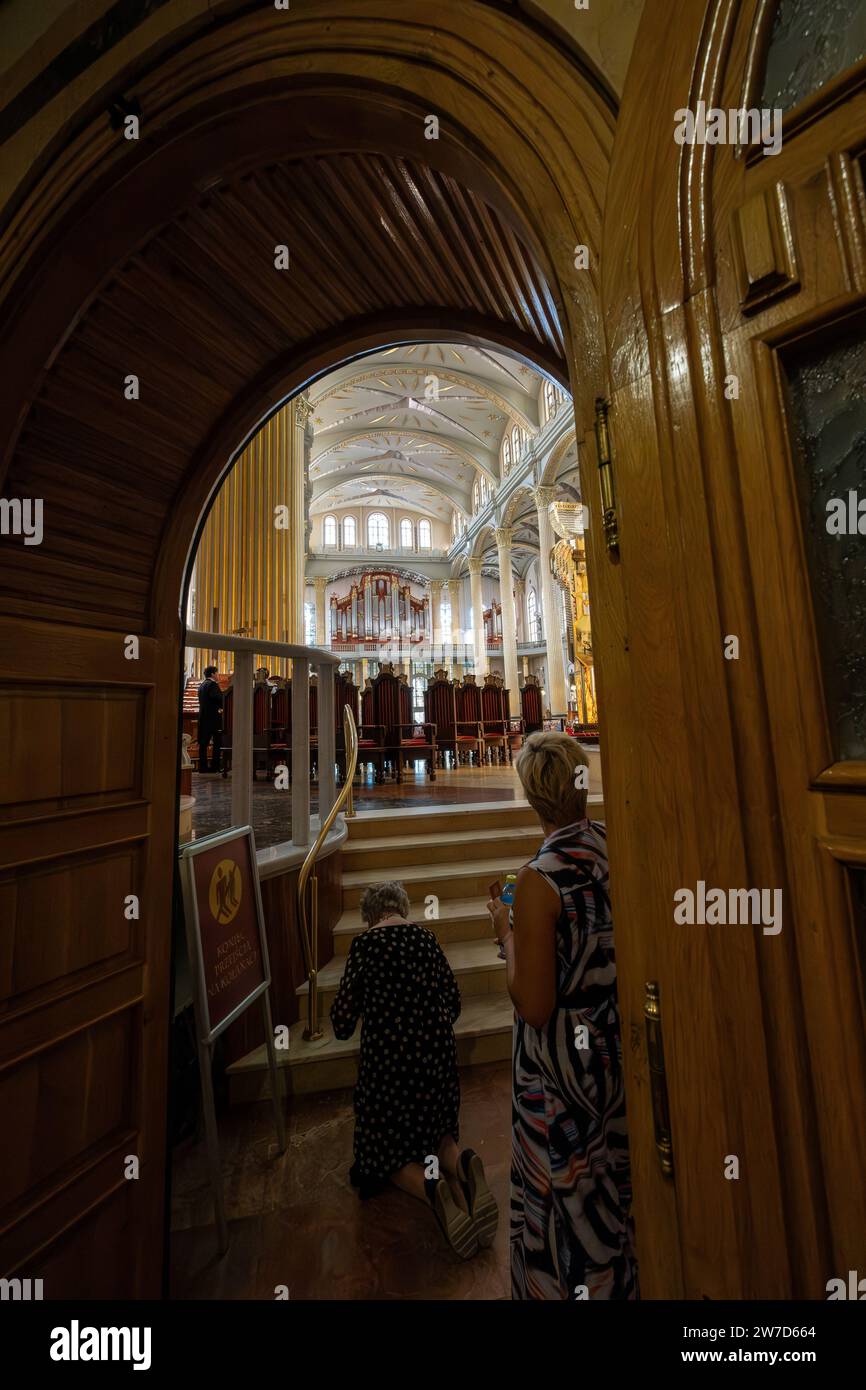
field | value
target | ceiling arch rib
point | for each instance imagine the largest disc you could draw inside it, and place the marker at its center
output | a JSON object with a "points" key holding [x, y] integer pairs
{"points": [[335, 441], [384, 489], [515, 402]]}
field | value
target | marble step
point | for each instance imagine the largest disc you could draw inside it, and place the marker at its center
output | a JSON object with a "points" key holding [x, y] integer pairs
{"points": [[459, 878], [483, 1033], [476, 966], [516, 844], [467, 819], [460, 919]]}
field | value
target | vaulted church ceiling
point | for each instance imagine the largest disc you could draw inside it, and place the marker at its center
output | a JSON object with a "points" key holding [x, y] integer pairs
{"points": [[417, 423]]}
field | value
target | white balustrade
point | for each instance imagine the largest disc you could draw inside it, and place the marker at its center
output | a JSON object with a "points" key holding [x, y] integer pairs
{"points": [[244, 650]]}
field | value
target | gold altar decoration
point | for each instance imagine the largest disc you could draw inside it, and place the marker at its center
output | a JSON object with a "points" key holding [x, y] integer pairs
{"points": [[568, 519], [568, 564]]}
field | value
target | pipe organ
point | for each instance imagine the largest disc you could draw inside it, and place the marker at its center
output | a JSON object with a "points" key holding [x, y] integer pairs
{"points": [[493, 623], [379, 608], [249, 569]]}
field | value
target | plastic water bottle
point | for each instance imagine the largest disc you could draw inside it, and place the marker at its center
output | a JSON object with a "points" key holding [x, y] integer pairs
{"points": [[507, 896]]}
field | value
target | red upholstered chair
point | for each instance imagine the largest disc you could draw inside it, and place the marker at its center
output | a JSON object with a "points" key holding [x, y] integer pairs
{"points": [[371, 734], [406, 739], [461, 740], [280, 731], [531, 707], [515, 731], [586, 733], [345, 696], [493, 722], [261, 725]]}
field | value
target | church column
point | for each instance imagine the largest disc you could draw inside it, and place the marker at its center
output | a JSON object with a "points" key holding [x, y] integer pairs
{"points": [[302, 439], [436, 619], [320, 584], [454, 587], [557, 693], [482, 666], [520, 609], [503, 536]]}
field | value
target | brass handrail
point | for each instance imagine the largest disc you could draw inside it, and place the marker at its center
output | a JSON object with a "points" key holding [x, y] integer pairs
{"points": [[308, 868]]}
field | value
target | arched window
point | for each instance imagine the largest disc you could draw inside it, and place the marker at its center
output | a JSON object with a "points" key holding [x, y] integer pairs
{"points": [[515, 446], [506, 457], [455, 528], [377, 530], [549, 400], [532, 615], [425, 535], [349, 533], [406, 533], [476, 496], [485, 492], [329, 530]]}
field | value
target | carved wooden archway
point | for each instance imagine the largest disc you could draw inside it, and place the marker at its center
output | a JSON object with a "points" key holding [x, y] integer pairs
{"points": [[488, 217]]}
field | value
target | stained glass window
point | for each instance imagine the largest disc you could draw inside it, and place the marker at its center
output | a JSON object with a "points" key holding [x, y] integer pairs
{"points": [[828, 395], [812, 41]]}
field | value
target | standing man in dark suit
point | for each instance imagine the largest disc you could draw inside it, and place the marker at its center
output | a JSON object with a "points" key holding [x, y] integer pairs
{"points": [[210, 720]]}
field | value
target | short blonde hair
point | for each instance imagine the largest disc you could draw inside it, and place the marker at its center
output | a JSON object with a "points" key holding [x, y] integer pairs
{"points": [[546, 766]]}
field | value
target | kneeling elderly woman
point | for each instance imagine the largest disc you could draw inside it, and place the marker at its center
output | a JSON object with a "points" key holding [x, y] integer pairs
{"points": [[571, 1233], [407, 1098]]}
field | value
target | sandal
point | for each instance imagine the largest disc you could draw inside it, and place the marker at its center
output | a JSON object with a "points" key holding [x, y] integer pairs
{"points": [[457, 1228], [479, 1199]]}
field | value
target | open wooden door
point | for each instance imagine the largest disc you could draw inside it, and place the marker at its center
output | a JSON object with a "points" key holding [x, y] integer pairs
{"points": [[734, 288]]}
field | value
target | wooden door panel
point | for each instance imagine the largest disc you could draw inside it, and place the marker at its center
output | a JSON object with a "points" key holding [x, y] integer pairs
{"points": [[83, 1026], [74, 902], [713, 258], [817, 177]]}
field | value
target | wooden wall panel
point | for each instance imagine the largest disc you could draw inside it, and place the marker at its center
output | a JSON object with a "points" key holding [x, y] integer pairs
{"points": [[68, 1098], [79, 1053], [58, 917], [67, 744]]}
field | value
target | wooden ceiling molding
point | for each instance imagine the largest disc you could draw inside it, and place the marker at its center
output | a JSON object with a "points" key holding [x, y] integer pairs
{"points": [[199, 311]]}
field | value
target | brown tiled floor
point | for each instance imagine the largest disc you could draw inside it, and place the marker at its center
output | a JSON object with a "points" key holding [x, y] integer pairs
{"points": [[272, 808], [296, 1220]]}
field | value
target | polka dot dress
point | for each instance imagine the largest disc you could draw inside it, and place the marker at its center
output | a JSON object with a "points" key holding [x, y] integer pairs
{"points": [[407, 1098]]}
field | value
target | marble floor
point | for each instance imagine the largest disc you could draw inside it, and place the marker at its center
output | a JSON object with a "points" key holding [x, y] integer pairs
{"points": [[272, 808], [295, 1220]]}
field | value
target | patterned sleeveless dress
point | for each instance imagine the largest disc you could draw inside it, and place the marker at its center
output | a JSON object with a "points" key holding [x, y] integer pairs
{"points": [[571, 1230]]}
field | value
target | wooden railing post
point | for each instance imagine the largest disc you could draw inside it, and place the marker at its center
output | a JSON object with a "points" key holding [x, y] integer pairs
{"points": [[242, 739], [327, 741], [301, 751]]}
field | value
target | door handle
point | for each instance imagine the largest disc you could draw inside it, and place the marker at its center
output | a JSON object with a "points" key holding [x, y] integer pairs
{"points": [[610, 523], [658, 1079]]}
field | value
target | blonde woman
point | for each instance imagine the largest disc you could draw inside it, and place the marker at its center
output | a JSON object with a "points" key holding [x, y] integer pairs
{"points": [[571, 1234]]}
